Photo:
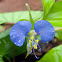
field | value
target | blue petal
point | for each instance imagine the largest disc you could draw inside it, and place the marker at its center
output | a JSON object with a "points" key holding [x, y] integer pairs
{"points": [[19, 31], [17, 39], [22, 27], [45, 29]]}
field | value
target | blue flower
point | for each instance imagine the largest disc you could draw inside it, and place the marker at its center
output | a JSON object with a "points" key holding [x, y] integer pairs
{"points": [[21, 29]]}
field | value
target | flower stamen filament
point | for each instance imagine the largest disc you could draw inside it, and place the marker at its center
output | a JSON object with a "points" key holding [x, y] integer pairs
{"points": [[33, 44]]}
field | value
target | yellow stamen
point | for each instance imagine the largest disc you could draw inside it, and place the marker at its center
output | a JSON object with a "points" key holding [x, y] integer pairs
{"points": [[37, 40], [30, 41], [32, 37], [35, 46], [46, 42]]}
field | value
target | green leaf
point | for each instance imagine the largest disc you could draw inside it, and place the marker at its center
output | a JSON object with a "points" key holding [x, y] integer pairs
{"points": [[58, 34], [1, 59], [56, 23], [54, 55], [5, 33], [9, 46], [13, 17], [2, 45], [1, 27], [2, 50], [54, 15], [2, 20], [47, 4]]}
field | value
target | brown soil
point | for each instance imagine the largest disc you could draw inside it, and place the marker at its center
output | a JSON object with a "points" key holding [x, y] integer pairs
{"points": [[19, 5]]}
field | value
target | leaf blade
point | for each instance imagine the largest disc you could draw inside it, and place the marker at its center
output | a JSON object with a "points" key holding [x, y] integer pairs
{"points": [[54, 53], [13, 17], [47, 5]]}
